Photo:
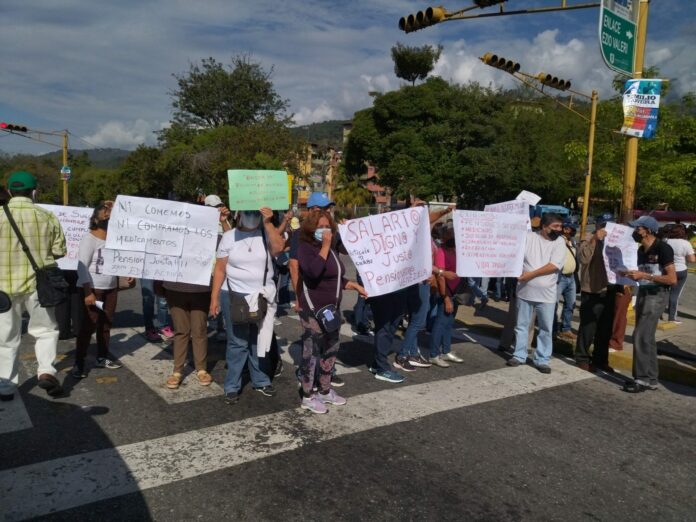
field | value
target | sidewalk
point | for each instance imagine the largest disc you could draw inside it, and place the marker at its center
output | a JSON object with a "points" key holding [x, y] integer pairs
{"points": [[676, 344]]}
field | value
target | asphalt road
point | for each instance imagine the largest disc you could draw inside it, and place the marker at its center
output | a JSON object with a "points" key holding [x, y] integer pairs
{"points": [[475, 441]]}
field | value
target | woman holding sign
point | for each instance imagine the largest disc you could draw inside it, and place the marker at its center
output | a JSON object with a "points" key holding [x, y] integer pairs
{"points": [[323, 276]]}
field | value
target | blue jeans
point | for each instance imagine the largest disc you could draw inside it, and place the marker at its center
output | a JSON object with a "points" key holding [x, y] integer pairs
{"points": [[544, 315], [565, 289], [442, 329], [360, 309], [418, 303], [241, 351], [150, 301], [476, 291], [388, 311]]}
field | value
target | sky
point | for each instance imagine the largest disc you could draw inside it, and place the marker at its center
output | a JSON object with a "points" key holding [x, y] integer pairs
{"points": [[104, 69]]}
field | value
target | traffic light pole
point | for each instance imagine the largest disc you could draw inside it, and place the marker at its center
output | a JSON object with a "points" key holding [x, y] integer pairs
{"points": [[631, 158], [65, 162], [590, 154]]}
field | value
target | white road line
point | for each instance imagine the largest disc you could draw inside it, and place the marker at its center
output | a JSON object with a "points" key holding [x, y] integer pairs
{"points": [[13, 415], [152, 365], [64, 483]]}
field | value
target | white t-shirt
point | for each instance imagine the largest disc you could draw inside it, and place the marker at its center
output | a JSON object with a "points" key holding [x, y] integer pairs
{"points": [[682, 248], [90, 263], [245, 255], [537, 253]]}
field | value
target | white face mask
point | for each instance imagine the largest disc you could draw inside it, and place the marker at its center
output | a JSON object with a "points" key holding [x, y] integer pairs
{"points": [[250, 220]]}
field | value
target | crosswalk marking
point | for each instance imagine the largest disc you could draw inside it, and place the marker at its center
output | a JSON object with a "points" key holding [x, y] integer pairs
{"points": [[14, 416], [153, 366], [64, 483]]}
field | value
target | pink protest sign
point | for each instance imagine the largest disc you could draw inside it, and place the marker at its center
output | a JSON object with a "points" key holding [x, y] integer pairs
{"points": [[391, 251]]}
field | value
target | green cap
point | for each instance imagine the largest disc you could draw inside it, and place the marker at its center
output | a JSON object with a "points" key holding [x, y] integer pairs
{"points": [[21, 180]]}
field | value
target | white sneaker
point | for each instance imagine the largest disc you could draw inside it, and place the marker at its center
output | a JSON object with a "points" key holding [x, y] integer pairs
{"points": [[439, 361], [452, 357]]}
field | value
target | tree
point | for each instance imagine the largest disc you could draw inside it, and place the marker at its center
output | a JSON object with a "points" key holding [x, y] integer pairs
{"points": [[211, 95], [414, 63]]}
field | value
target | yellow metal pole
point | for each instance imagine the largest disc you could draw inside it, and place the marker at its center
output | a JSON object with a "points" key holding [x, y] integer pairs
{"points": [[590, 155], [631, 158], [65, 163]]}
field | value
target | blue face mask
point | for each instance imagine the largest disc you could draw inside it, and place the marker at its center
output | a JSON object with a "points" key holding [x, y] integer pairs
{"points": [[319, 234]]}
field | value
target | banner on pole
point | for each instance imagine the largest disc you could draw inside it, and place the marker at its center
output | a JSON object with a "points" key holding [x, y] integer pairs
{"points": [[489, 244], [253, 189], [75, 223], [641, 104], [391, 250], [162, 240], [620, 254]]}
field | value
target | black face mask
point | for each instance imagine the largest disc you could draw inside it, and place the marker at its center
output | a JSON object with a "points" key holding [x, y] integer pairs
{"points": [[636, 236], [449, 243], [553, 234], [103, 224]]}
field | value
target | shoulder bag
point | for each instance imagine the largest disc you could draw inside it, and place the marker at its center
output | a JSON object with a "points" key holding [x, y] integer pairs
{"points": [[51, 286], [328, 316], [239, 307]]}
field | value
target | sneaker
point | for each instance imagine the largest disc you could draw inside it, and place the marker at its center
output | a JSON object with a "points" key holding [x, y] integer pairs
{"points": [[277, 322], [166, 333], [337, 382], [513, 362], [50, 385], [232, 397], [389, 376], [313, 404], [676, 322], [402, 363], [361, 329], [110, 363], [483, 303], [268, 391], [278, 368], [152, 335], [419, 361], [439, 361], [373, 370], [452, 357], [634, 387], [77, 373], [543, 368], [331, 398]]}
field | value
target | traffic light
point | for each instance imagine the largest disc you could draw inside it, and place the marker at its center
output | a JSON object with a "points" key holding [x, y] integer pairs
{"points": [[13, 127], [413, 22], [554, 82], [500, 62], [488, 3]]}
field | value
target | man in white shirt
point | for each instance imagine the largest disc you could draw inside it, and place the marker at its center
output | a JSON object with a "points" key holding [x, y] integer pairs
{"points": [[536, 291]]}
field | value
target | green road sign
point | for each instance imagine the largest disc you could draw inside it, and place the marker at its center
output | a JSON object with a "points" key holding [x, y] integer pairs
{"points": [[617, 34]]}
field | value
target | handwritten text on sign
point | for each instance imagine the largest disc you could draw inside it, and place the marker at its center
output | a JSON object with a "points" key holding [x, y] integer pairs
{"points": [[163, 240], [620, 253], [75, 223], [489, 244], [391, 251], [253, 189]]}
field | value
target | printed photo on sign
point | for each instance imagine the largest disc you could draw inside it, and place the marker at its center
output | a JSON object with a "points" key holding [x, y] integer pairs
{"points": [[620, 254], [75, 223], [489, 244], [390, 251]]}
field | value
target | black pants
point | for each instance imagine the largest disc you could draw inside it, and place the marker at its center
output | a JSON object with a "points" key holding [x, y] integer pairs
{"points": [[69, 312], [596, 321], [387, 311]]}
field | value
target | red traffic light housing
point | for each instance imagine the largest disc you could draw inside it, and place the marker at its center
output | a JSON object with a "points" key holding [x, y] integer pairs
{"points": [[499, 62], [12, 127], [422, 19]]}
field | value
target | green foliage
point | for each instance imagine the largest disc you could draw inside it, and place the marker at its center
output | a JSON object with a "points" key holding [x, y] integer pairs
{"points": [[325, 133], [414, 63]]}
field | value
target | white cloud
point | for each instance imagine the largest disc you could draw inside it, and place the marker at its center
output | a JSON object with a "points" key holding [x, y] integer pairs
{"points": [[124, 135], [321, 113]]}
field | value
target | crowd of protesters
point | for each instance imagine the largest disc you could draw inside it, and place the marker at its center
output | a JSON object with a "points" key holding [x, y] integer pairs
{"points": [[263, 258]]}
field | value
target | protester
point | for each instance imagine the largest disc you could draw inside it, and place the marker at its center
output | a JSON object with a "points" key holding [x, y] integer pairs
{"points": [[69, 312], [536, 291], [474, 284], [44, 238], [656, 274], [245, 266], [212, 200], [596, 305], [446, 306], [683, 252], [566, 284], [99, 293], [361, 323], [323, 276], [155, 305]]}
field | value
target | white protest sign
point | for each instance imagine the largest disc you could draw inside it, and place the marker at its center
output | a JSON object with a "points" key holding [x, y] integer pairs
{"points": [[489, 244], [391, 250], [620, 253], [516, 206], [75, 223], [162, 240], [529, 197]]}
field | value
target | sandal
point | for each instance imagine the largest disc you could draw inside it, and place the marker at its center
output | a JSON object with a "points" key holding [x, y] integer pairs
{"points": [[204, 378], [174, 381]]}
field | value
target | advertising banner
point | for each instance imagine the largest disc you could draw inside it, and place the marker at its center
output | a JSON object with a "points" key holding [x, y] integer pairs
{"points": [[641, 103]]}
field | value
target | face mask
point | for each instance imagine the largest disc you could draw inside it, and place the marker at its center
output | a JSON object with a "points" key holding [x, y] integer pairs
{"points": [[250, 220], [319, 234], [553, 234], [636, 236], [103, 224]]}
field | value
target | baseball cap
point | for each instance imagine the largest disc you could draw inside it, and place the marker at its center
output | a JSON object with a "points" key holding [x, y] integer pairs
{"points": [[319, 199], [570, 224], [648, 222], [21, 180], [213, 201]]}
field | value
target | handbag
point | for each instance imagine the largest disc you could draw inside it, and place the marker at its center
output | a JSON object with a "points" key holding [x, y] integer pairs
{"points": [[51, 286], [239, 307], [327, 316]]}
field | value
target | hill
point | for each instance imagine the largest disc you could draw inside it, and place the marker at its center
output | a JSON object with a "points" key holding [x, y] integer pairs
{"points": [[327, 133], [101, 158]]}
